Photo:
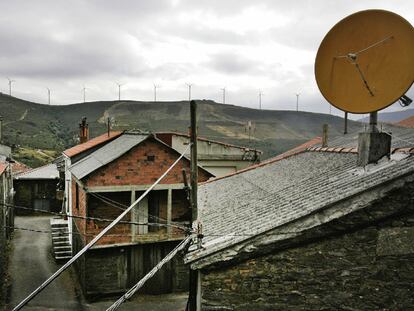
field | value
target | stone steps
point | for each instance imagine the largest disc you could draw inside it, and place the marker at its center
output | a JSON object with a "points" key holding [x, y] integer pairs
{"points": [[62, 250]]}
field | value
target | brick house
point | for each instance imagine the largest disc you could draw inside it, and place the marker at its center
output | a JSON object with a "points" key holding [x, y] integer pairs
{"points": [[310, 231], [108, 180]]}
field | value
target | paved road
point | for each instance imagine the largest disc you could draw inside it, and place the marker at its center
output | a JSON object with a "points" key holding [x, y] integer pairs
{"points": [[31, 263]]}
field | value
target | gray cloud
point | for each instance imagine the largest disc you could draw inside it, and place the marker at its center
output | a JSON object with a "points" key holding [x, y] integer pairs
{"points": [[65, 44]]}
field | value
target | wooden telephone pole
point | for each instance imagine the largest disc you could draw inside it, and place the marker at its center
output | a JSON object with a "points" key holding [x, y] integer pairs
{"points": [[193, 297]]}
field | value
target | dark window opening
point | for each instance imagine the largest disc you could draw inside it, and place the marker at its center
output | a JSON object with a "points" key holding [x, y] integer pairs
{"points": [[151, 158], [77, 196]]}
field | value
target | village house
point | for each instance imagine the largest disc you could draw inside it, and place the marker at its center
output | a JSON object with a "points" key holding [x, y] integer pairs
{"points": [[37, 189], [310, 230], [107, 181], [216, 157], [6, 213]]}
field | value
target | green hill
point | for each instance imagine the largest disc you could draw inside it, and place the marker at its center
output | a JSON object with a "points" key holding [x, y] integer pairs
{"points": [[55, 127]]}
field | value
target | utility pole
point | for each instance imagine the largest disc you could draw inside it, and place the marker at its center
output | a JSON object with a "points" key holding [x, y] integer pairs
{"points": [[224, 95], [155, 92], [48, 96], [260, 100], [330, 109], [84, 94], [10, 85], [189, 90], [194, 290], [297, 101], [119, 91]]}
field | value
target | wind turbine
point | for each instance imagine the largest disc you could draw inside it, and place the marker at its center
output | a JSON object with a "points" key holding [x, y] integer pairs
{"points": [[260, 99], [84, 94], [224, 94], [297, 101], [119, 90], [10, 85], [189, 90], [156, 86], [48, 96]]}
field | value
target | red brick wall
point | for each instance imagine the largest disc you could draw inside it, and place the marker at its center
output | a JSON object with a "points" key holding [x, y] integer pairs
{"points": [[134, 168]]}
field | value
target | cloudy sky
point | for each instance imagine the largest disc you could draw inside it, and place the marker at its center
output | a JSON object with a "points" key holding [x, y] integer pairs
{"points": [[243, 45]]}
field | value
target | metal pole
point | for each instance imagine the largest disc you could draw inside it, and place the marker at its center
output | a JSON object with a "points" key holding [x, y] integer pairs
{"points": [[346, 123], [373, 121]]}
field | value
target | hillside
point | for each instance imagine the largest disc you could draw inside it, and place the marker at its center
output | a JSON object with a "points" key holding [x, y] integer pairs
{"points": [[392, 117], [55, 127]]}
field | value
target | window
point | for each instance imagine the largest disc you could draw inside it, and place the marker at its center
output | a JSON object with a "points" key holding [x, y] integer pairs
{"points": [[151, 158]]}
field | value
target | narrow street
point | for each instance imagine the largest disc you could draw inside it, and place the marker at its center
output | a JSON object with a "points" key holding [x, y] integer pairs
{"points": [[31, 263]]}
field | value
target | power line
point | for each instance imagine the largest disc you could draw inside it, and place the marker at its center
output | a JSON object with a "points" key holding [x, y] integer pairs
{"points": [[95, 218], [76, 233], [149, 275], [96, 239]]}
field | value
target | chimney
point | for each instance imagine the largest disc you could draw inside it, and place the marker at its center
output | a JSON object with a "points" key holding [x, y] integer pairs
{"points": [[83, 131], [373, 145], [325, 135], [1, 129]]}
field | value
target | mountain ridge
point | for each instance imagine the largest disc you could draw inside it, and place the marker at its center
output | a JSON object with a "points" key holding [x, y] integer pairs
{"points": [[55, 127]]}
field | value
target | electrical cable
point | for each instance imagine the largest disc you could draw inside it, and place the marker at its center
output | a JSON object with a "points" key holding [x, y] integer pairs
{"points": [[96, 218]]}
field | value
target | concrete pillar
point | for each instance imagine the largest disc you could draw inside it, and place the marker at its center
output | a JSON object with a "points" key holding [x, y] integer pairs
{"points": [[169, 210], [134, 228], [143, 215]]}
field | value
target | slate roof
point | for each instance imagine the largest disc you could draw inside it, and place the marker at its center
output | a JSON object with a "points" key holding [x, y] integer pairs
{"points": [[106, 154], [75, 150], [238, 207], [48, 171]]}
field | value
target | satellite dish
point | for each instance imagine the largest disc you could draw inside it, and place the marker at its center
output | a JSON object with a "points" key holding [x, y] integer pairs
{"points": [[366, 61]]}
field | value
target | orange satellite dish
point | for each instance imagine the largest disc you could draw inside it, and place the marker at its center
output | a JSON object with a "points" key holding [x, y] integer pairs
{"points": [[366, 61]]}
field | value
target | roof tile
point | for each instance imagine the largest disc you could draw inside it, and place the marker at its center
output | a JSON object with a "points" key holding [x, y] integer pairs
{"points": [[75, 150]]}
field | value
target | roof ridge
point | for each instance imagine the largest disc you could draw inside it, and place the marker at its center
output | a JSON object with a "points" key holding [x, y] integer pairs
{"points": [[355, 150], [208, 140], [287, 154], [34, 169]]}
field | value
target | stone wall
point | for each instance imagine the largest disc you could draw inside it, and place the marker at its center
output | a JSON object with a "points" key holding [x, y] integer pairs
{"points": [[368, 267]]}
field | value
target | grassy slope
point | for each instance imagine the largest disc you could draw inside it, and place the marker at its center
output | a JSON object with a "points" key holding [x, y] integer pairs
{"points": [[54, 127]]}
